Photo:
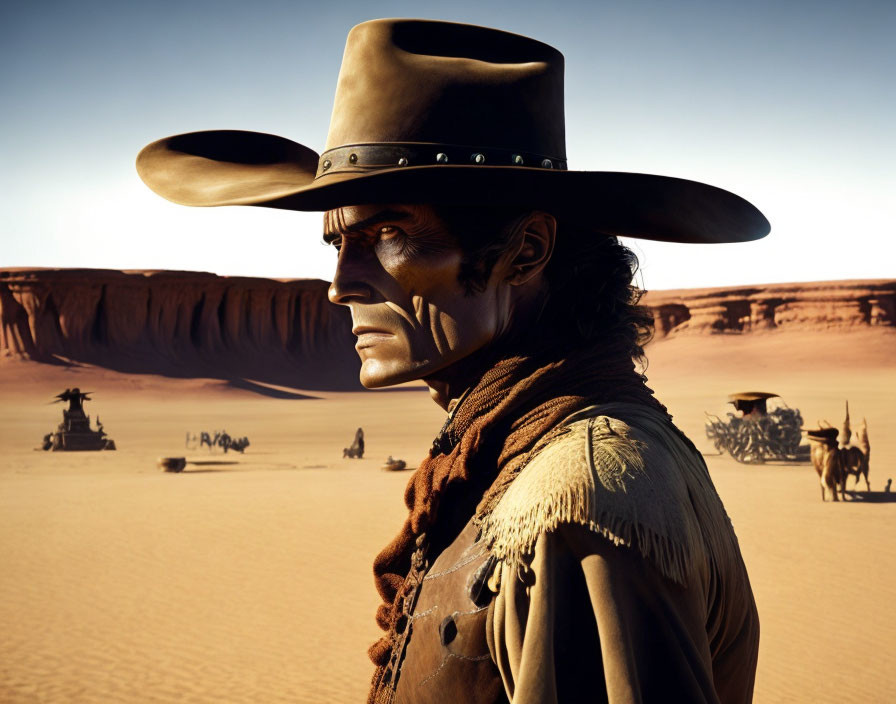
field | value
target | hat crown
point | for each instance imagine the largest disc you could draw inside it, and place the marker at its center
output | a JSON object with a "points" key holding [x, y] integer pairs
{"points": [[438, 112], [413, 81]]}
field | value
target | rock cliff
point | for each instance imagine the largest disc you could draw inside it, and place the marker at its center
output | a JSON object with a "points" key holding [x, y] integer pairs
{"points": [[286, 332], [801, 306], [179, 324]]}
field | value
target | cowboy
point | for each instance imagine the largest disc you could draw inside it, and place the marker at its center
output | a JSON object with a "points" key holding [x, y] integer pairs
{"points": [[75, 398], [751, 404], [356, 449], [564, 541]]}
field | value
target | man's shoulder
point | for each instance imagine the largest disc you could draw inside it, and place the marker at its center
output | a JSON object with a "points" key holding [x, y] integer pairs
{"points": [[625, 473]]}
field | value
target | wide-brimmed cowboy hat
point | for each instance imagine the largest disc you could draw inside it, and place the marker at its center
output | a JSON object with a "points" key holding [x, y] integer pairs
{"points": [[822, 434], [443, 113], [751, 396]]}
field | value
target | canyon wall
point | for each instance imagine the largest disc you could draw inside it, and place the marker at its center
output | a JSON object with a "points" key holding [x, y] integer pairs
{"points": [[287, 332], [179, 324], [821, 305]]}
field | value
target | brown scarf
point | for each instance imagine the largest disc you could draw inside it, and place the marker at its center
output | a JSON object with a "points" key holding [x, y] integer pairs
{"points": [[523, 398]]}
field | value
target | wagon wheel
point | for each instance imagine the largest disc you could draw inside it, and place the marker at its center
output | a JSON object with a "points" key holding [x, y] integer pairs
{"points": [[741, 442], [785, 433], [716, 433], [756, 443]]}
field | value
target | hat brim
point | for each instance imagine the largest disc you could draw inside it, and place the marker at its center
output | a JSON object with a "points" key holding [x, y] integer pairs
{"points": [[822, 433], [751, 396], [228, 167]]}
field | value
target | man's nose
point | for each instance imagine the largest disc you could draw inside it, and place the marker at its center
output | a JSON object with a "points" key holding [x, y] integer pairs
{"points": [[350, 282]]}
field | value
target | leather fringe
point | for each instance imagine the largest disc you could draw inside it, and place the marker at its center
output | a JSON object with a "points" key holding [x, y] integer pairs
{"points": [[636, 485]]}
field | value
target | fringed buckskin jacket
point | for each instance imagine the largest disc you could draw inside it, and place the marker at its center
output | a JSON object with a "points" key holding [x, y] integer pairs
{"points": [[607, 572]]}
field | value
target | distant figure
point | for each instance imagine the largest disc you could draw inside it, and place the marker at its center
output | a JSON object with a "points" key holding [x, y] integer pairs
{"points": [[239, 444], [856, 459], [887, 487], [827, 461], [751, 404], [75, 433], [394, 465], [75, 398], [356, 451]]}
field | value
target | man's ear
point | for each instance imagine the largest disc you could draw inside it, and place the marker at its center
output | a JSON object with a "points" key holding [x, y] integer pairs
{"points": [[536, 233]]}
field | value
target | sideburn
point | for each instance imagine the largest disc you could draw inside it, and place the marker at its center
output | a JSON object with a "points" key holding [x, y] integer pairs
{"points": [[483, 234]]}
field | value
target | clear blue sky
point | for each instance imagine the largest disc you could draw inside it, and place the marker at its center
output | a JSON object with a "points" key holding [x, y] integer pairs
{"points": [[789, 104]]}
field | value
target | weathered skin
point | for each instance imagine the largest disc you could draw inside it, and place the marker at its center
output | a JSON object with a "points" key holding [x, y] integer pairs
{"points": [[398, 273]]}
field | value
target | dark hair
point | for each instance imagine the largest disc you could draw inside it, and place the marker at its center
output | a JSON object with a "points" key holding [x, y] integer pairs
{"points": [[590, 297]]}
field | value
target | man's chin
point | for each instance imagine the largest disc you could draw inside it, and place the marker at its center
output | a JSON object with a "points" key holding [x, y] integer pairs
{"points": [[375, 375]]}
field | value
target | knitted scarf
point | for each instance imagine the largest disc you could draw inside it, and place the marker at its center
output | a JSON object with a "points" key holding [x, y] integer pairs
{"points": [[515, 408]]}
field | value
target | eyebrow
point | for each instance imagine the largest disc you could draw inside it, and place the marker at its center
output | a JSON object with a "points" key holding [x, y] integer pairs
{"points": [[375, 219]]}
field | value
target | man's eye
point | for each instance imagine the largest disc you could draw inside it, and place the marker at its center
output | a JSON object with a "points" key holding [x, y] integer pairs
{"points": [[387, 232]]}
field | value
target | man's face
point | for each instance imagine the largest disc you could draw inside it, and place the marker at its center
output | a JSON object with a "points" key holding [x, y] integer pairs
{"points": [[398, 274]]}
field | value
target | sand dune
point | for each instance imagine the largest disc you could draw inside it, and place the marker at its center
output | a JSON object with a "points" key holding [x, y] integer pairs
{"points": [[251, 582]]}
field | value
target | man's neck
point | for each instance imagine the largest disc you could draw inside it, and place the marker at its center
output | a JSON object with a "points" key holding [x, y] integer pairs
{"points": [[448, 386]]}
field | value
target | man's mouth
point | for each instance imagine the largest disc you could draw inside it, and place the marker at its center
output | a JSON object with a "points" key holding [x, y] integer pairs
{"points": [[368, 335]]}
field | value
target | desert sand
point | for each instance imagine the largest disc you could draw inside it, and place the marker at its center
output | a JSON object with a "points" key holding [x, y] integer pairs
{"points": [[247, 578]]}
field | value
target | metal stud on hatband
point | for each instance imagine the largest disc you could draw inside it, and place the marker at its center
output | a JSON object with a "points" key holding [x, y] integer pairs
{"points": [[403, 161], [353, 158], [517, 160], [442, 158], [546, 163], [327, 164], [478, 158]]}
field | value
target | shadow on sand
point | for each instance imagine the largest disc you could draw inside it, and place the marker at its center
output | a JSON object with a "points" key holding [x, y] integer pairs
{"points": [[767, 463], [212, 466], [188, 470], [261, 389], [873, 497], [336, 371], [282, 381], [207, 465]]}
